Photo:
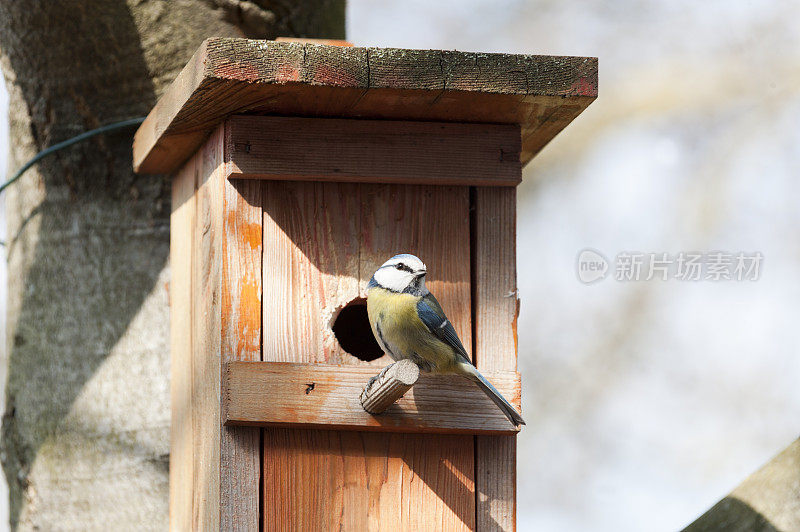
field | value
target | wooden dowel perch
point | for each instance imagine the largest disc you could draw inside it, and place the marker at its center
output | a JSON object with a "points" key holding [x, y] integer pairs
{"points": [[388, 386]]}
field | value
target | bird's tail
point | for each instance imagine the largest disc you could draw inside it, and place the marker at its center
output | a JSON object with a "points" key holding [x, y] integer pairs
{"points": [[509, 411]]}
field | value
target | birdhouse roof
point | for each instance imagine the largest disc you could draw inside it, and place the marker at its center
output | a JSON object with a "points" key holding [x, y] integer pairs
{"points": [[234, 76]]}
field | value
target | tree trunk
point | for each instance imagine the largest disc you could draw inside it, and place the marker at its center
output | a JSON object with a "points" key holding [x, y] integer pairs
{"points": [[85, 434]]}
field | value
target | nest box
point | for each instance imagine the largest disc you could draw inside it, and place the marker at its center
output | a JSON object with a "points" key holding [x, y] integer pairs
{"points": [[298, 170]]}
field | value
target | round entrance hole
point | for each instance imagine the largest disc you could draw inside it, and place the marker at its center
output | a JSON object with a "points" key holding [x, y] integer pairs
{"points": [[352, 330]]}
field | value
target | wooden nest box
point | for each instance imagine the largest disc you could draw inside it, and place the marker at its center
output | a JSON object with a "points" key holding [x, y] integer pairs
{"points": [[298, 170]]}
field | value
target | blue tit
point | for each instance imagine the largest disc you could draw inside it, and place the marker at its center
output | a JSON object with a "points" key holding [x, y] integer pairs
{"points": [[408, 322]]}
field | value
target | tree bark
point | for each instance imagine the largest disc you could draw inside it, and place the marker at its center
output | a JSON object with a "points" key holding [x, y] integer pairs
{"points": [[85, 434]]}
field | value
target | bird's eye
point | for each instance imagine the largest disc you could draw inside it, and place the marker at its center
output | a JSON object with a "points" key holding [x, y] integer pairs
{"points": [[400, 266]]}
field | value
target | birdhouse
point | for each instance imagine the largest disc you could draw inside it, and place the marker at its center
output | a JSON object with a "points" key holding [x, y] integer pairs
{"points": [[298, 169]]}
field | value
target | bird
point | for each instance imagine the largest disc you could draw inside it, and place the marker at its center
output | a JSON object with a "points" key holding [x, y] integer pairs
{"points": [[409, 323]]}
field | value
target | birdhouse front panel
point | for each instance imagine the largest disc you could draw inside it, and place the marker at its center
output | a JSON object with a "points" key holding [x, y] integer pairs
{"points": [[322, 243]]}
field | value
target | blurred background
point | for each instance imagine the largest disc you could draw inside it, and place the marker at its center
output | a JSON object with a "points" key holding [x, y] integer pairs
{"points": [[646, 401]]}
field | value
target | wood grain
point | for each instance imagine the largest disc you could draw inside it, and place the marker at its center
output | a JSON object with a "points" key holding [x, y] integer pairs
{"points": [[326, 396], [372, 151], [334, 480], [240, 447], [541, 94], [496, 309], [206, 327], [430, 222], [216, 316], [384, 389], [306, 40], [181, 467], [169, 151], [322, 242], [311, 251]]}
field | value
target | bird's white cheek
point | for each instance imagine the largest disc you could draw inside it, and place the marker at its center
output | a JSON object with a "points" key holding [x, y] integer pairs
{"points": [[393, 279]]}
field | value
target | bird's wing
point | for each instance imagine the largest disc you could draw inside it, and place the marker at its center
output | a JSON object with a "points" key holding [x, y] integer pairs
{"points": [[432, 315]]}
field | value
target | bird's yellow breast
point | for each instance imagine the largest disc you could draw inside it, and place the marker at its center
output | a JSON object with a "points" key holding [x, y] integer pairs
{"points": [[395, 311], [404, 332]]}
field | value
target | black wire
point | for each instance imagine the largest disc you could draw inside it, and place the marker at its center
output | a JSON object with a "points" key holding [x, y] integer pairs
{"points": [[69, 142]]}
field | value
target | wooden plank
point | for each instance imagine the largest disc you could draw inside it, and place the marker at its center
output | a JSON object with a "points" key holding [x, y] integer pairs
{"points": [[496, 310], [373, 151], [431, 223], [181, 471], [399, 218], [206, 326], [240, 447], [216, 317], [322, 241], [375, 481], [311, 251], [230, 76], [169, 151], [327, 397]]}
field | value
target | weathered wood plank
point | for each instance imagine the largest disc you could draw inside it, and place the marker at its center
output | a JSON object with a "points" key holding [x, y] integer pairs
{"points": [[311, 251], [216, 317], [496, 308], [181, 471], [169, 151], [495, 278], [228, 76], [322, 241], [206, 326], [240, 452], [327, 396], [373, 151], [306, 40], [333, 480], [431, 223]]}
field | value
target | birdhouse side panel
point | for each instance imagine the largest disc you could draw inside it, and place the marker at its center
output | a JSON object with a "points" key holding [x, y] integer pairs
{"points": [[196, 379], [181, 470], [215, 305]]}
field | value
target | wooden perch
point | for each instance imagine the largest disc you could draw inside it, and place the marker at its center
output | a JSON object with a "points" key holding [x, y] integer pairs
{"points": [[322, 396], [388, 386]]}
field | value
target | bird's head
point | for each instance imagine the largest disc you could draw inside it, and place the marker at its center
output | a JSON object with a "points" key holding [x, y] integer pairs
{"points": [[402, 273]]}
